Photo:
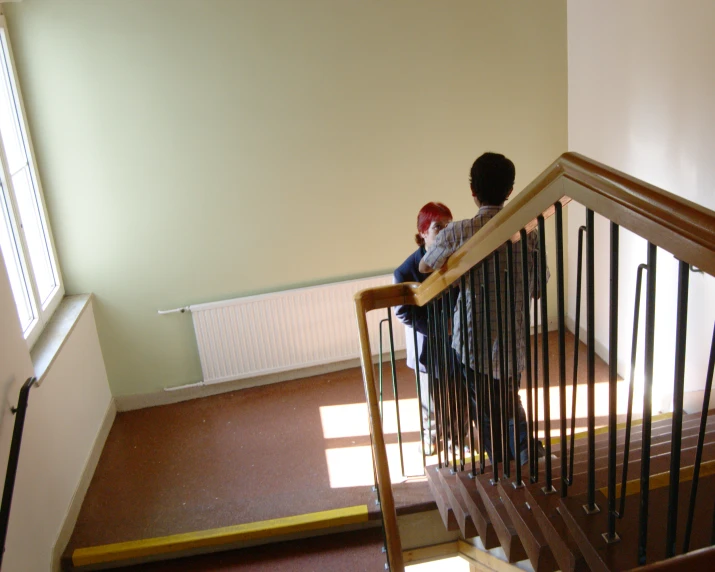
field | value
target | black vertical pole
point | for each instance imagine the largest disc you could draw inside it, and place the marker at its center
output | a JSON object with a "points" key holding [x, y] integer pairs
{"points": [[591, 361], [394, 389], [448, 380], [699, 449], [537, 301], [647, 404], [418, 384], [577, 348], [678, 389], [474, 388], [431, 369], [526, 279], [561, 296], [514, 372], [466, 360], [611, 535], [502, 370], [490, 368], [549, 487], [631, 385]]}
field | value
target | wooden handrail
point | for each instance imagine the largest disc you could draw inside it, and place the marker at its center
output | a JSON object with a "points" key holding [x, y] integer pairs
{"points": [[684, 228]]}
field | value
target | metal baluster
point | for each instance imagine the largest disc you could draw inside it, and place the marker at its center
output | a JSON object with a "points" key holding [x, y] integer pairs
{"points": [[576, 345], [394, 389], [448, 381], [467, 361], [474, 388], [418, 384], [503, 421], [527, 348], [610, 536], [433, 366], [486, 296], [591, 507], [549, 487], [631, 385], [681, 328], [561, 295], [514, 389], [380, 366], [647, 404], [537, 301], [699, 450], [457, 386]]}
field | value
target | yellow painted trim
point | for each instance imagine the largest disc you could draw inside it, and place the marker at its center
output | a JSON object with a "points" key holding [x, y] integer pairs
{"points": [[217, 536], [661, 480], [601, 430]]}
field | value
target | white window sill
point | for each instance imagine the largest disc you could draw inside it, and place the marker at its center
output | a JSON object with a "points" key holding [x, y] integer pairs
{"points": [[56, 332]]}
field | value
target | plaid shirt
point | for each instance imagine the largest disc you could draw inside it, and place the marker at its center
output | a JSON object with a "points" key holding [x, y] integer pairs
{"points": [[447, 243]]}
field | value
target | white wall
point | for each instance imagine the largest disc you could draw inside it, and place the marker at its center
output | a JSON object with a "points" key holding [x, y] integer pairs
{"points": [[194, 151], [66, 414], [641, 87]]}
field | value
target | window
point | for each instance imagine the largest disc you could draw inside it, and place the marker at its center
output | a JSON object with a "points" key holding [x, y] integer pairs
{"points": [[25, 239]]}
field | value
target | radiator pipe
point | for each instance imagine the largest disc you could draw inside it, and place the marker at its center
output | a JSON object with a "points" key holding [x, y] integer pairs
{"points": [[187, 386], [175, 310]]}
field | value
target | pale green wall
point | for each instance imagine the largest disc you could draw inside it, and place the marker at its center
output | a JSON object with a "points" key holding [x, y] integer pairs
{"points": [[193, 151]]}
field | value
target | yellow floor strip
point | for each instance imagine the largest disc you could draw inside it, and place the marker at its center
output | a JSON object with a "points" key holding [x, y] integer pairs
{"points": [[663, 479], [216, 536]]}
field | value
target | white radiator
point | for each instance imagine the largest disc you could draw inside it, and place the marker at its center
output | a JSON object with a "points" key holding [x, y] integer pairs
{"points": [[270, 333]]}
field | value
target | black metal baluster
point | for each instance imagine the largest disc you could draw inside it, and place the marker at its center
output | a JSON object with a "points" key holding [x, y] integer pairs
{"points": [[503, 422], [449, 379], [537, 301], [418, 384], [631, 386], [380, 366], [681, 328], [490, 368], [457, 385], [591, 506], [467, 361], [514, 370], [549, 487], [474, 388], [531, 446], [431, 368], [611, 535], [439, 389], [577, 332], [699, 450], [394, 389], [647, 404], [561, 295]]}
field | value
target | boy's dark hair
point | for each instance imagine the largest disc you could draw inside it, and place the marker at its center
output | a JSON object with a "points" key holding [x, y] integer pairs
{"points": [[491, 178]]}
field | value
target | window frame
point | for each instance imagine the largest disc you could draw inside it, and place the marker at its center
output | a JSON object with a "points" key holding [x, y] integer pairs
{"points": [[42, 313]]}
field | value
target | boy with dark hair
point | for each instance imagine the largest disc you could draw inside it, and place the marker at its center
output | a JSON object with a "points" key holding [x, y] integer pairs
{"points": [[491, 181]]}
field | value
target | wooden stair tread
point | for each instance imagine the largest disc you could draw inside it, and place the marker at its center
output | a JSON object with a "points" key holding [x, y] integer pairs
{"points": [[503, 526], [623, 555], [459, 507], [475, 506]]}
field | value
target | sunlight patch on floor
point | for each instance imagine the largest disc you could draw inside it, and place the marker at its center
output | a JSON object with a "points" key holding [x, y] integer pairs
{"points": [[350, 419], [454, 564], [352, 466]]}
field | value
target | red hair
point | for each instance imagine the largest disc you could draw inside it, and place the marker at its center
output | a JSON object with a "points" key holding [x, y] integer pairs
{"points": [[427, 215]]}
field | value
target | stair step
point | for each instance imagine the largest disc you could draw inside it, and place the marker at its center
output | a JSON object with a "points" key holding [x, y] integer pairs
{"points": [[459, 507], [533, 540], [623, 555], [475, 506], [440, 496], [503, 526], [545, 505]]}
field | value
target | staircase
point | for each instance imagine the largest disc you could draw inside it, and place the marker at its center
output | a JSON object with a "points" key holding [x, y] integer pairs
{"points": [[618, 497], [554, 532]]}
